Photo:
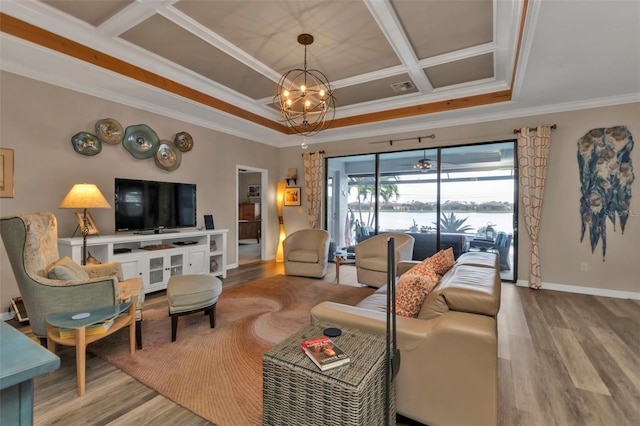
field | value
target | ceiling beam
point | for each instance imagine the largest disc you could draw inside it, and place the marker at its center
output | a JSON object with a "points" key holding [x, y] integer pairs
{"points": [[33, 34]]}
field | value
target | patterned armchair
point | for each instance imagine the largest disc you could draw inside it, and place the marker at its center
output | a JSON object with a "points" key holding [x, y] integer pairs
{"points": [[32, 247]]}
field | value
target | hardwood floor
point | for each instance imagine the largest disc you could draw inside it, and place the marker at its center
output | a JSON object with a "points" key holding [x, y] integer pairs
{"points": [[564, 359]]}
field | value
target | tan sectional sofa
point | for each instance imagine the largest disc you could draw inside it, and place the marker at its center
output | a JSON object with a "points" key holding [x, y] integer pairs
{"points": [[449, 353]]}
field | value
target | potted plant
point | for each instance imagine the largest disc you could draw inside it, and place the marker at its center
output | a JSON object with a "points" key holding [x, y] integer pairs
{"points": [[414, 228]]}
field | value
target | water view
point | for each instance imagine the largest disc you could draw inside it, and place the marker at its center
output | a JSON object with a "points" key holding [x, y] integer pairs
{"points": [[404, 220]]}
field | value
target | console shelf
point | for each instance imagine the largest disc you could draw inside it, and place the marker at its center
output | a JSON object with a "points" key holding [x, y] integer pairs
{"points": [[156, 257]]}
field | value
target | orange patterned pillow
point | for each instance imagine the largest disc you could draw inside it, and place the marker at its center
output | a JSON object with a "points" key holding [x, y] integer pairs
{"points": [[411, 291], [425, 268], [442, 261]]}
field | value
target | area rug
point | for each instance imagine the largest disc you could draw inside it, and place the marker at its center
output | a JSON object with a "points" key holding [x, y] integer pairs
{"points": [[217, 373]]}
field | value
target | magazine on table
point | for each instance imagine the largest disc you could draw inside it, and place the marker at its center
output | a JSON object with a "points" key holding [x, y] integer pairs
{"points": [[325, 353], [98, 328]]}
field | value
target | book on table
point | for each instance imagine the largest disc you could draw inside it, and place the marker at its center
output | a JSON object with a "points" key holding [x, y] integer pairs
{"points": [[97, 328], [325, 353]]}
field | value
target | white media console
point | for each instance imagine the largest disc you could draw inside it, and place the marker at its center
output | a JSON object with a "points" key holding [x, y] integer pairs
{"points": [[156, 257]]}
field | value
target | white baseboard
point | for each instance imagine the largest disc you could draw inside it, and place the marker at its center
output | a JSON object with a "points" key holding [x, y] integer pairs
{"points": [[585, 290]]}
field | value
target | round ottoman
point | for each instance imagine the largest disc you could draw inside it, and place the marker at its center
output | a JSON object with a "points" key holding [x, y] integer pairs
{"points": [[192, 293]]}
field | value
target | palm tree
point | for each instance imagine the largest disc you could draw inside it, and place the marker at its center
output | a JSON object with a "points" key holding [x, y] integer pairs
{"points": [[388, 190], [453, 224]]}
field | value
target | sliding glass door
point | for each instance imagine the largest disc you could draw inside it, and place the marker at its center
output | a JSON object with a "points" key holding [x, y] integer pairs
{"points": [[477, 200], [352, 214], [461, 197]]}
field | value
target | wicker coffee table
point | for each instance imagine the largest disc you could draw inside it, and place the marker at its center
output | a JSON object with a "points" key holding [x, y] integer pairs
{"points": [[295, 391]]}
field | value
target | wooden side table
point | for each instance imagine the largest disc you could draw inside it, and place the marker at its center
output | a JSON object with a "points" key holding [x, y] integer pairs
{"points": [[67, 320], [339, 262]]}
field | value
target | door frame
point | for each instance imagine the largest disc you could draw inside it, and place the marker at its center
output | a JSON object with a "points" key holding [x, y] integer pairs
{"points": [[264, 179]]}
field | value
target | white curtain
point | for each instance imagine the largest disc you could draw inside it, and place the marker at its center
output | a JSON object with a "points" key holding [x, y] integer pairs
{"points": [[533, 155], [313, 179]]}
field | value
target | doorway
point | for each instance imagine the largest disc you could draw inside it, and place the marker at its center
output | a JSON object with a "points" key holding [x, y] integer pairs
{"points": [[251, 217]]}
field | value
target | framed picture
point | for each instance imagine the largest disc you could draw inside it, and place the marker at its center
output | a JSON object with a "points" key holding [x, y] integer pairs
{"points": [[292, 196], [254, 191], [6, 173], [93, 229]]}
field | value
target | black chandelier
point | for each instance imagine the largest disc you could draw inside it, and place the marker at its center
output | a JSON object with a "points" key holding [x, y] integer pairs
{"points": [[305, 97]]}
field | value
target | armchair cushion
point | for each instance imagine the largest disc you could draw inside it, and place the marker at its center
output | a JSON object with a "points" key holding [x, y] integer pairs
{"points": [[104, 270], [132, 289], [66, 269], [306, 256]]}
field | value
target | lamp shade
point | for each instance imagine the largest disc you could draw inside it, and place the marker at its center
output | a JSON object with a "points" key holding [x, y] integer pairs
{"points": [[84, 196]]}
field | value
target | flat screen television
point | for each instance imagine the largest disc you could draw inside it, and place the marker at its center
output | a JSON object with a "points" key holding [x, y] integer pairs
{"points": [[151, 205]]}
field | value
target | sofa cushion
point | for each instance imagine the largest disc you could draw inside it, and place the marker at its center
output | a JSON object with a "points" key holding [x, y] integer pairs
{"points": [[66, 269], [479, 258], [375, 302], [305, 256], [465, 288], [411, 291]]}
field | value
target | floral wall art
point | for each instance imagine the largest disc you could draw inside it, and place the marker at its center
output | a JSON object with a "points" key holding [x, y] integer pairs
{"points": [[606, 175]]}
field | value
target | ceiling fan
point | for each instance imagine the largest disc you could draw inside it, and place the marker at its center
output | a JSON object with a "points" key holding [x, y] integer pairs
{"points": [[426, 164], [423, 164]]}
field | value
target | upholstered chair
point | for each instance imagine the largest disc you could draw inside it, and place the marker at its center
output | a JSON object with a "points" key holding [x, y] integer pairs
{"points": [[306, 253], [371, 257], [503, 246], [49, 284]]}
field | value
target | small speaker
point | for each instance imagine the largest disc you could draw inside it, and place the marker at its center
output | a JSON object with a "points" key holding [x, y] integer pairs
{"points": [[208, 221]]}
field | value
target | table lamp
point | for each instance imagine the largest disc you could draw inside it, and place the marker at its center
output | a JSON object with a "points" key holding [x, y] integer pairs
{"points": [[84, 196]]}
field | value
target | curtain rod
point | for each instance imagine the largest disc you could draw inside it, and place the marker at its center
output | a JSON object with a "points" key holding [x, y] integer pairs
{"points": [[553, 127], [419, 138], [321, 152]]}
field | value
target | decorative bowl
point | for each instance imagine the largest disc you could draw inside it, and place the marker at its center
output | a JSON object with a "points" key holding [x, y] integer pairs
{"points": [[109, 131], [86, 144], [168, 157], [141, 141], [183, 141]]}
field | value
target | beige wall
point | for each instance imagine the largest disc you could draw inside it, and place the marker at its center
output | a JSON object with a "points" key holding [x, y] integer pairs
{"points": [[38, 120], [560, 247]]}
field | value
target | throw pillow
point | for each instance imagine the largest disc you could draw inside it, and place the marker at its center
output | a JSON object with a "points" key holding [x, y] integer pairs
{"points": [[411, 291], [66, 269], [425, 268], [442, 261]]}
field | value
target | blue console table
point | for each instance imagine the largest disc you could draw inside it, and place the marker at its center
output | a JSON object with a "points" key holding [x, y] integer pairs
{"points": [[21, 360]]}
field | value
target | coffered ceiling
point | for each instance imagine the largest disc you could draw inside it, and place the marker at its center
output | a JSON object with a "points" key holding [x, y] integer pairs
{"points": [[396, 66]]}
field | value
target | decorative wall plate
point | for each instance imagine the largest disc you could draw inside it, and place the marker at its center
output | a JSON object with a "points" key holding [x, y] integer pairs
{"points": [[168, 156], [141, 141], [183, 141], [109, 131], [86, 144]]}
